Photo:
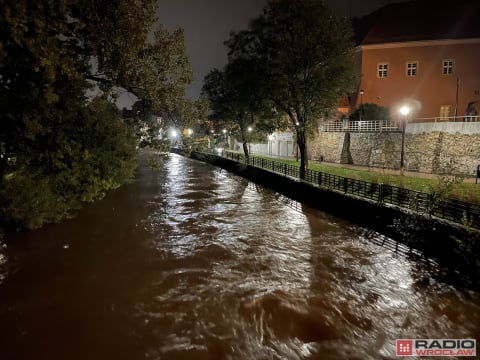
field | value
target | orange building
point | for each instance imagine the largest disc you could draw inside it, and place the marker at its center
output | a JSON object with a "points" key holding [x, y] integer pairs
{"points": [[424, 54]]}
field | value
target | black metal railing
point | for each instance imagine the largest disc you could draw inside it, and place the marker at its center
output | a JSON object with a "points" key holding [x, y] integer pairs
{"points": [[457, 211]]}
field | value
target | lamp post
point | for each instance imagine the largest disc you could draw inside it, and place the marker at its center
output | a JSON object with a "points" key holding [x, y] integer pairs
{"points": [[361, 104], [174, 137], [405, 110], [225, 136], [249, 129]]}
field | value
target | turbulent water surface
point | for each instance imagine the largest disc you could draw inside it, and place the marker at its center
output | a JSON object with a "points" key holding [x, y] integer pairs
{"points": [[191, 262]]}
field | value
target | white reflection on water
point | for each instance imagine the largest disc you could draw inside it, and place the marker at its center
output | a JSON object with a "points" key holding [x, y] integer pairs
{"points": [[196, 263], [289, 281]]}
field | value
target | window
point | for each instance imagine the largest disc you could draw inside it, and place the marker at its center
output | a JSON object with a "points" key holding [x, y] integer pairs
{"points": [[412, 68], [448, 67], [444, 112], [382, 70]]}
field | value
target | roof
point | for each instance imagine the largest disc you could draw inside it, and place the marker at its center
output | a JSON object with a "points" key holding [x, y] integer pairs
{"points": [[424, 20]]}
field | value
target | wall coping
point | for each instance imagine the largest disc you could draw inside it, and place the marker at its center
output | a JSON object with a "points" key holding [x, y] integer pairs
{"points": [[464, 128]]}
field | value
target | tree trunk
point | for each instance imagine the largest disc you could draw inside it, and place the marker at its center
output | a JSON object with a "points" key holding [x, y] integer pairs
{"points": [[245, 149], [302, 146], [245, 139], [3, 160]]}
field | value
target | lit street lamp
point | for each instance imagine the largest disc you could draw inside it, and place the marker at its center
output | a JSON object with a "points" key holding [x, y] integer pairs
{"points": [[361, 104], [405, 110], [249, 129], [174, 137]]}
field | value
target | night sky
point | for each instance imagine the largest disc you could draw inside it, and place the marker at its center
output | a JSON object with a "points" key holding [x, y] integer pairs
{"points": [[208, 23]]}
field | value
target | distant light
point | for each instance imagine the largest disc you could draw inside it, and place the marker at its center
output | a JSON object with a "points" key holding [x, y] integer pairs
{"points": [[404, 110], [249, 129], [224, 131], [174, 133], [189, 132]]}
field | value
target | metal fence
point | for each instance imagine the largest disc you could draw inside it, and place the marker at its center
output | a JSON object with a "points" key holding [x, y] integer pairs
{"points": [[360, 126], [463, 118], [387, 125], [457, 211]]}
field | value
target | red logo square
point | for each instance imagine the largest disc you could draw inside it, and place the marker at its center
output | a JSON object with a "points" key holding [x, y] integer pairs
{"points": [[404, 347]]}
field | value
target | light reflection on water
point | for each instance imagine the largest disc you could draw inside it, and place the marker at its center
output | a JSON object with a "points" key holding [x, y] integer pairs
{"points": [[205, 265]]}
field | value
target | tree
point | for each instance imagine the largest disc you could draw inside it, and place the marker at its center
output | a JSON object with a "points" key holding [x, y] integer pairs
{"points": [[227, 103], [371, 112], [303, 55], [233, 99], [55, 136]]}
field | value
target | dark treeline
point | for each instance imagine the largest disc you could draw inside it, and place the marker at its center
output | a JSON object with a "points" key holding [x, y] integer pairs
{"points": [[63, 141]]}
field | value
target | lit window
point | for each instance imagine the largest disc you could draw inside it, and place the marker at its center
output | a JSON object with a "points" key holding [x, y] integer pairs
{"points": [[382, 70], [444, 112], [412, 68], [448, 67]]}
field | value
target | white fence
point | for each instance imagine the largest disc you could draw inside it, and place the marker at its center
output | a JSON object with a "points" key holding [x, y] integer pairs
{"points": [[464, 118], [360, 126]]}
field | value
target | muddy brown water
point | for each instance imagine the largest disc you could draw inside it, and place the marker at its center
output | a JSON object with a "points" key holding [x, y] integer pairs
{"points": [[192, 262]]}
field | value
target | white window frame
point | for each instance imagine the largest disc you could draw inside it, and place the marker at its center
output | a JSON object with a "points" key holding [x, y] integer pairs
{"points": [[445, 111], [448, 67], [411, 68], [382, 70]]}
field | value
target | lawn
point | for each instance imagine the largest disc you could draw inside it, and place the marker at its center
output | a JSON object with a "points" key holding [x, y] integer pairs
{"points": [[447, 186]]}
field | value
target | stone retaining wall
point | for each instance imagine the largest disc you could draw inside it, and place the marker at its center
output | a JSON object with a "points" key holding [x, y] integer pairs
{"points": [[454, 149]]}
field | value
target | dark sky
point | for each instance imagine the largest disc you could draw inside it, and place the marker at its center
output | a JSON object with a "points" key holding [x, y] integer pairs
{"points": [[208, 23]]}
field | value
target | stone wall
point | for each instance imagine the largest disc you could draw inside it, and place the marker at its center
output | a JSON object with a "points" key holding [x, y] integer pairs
{"points": [[430, 148]]}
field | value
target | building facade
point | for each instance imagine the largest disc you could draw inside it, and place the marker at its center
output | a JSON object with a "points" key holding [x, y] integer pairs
{"points": [[425, 55]]}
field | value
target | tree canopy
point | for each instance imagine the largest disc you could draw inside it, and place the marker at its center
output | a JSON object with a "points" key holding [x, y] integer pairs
{"points": [[302, 61], [60, 62], [233, 98]]}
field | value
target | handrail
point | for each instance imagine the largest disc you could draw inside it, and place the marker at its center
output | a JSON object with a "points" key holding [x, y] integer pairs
{"points": [[464, 118], [360, 126], [429, 204], [387, 125]]}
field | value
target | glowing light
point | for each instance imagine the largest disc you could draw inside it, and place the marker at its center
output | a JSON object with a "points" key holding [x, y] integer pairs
{"points": [[405, 110], [249, 129]]}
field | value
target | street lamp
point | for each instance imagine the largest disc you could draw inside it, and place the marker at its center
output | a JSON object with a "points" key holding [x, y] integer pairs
{"points": [[249, 129], [174, 137], [361, 104], [405, 110], [225, 136]]}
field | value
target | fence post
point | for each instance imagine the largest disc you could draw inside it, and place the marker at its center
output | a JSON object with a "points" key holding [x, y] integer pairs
{"points": [[345, 185], [320, 178], [380, 193], [285, 169]]}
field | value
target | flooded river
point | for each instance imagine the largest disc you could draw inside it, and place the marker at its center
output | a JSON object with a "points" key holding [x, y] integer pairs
{"points": [[192, 262]]}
